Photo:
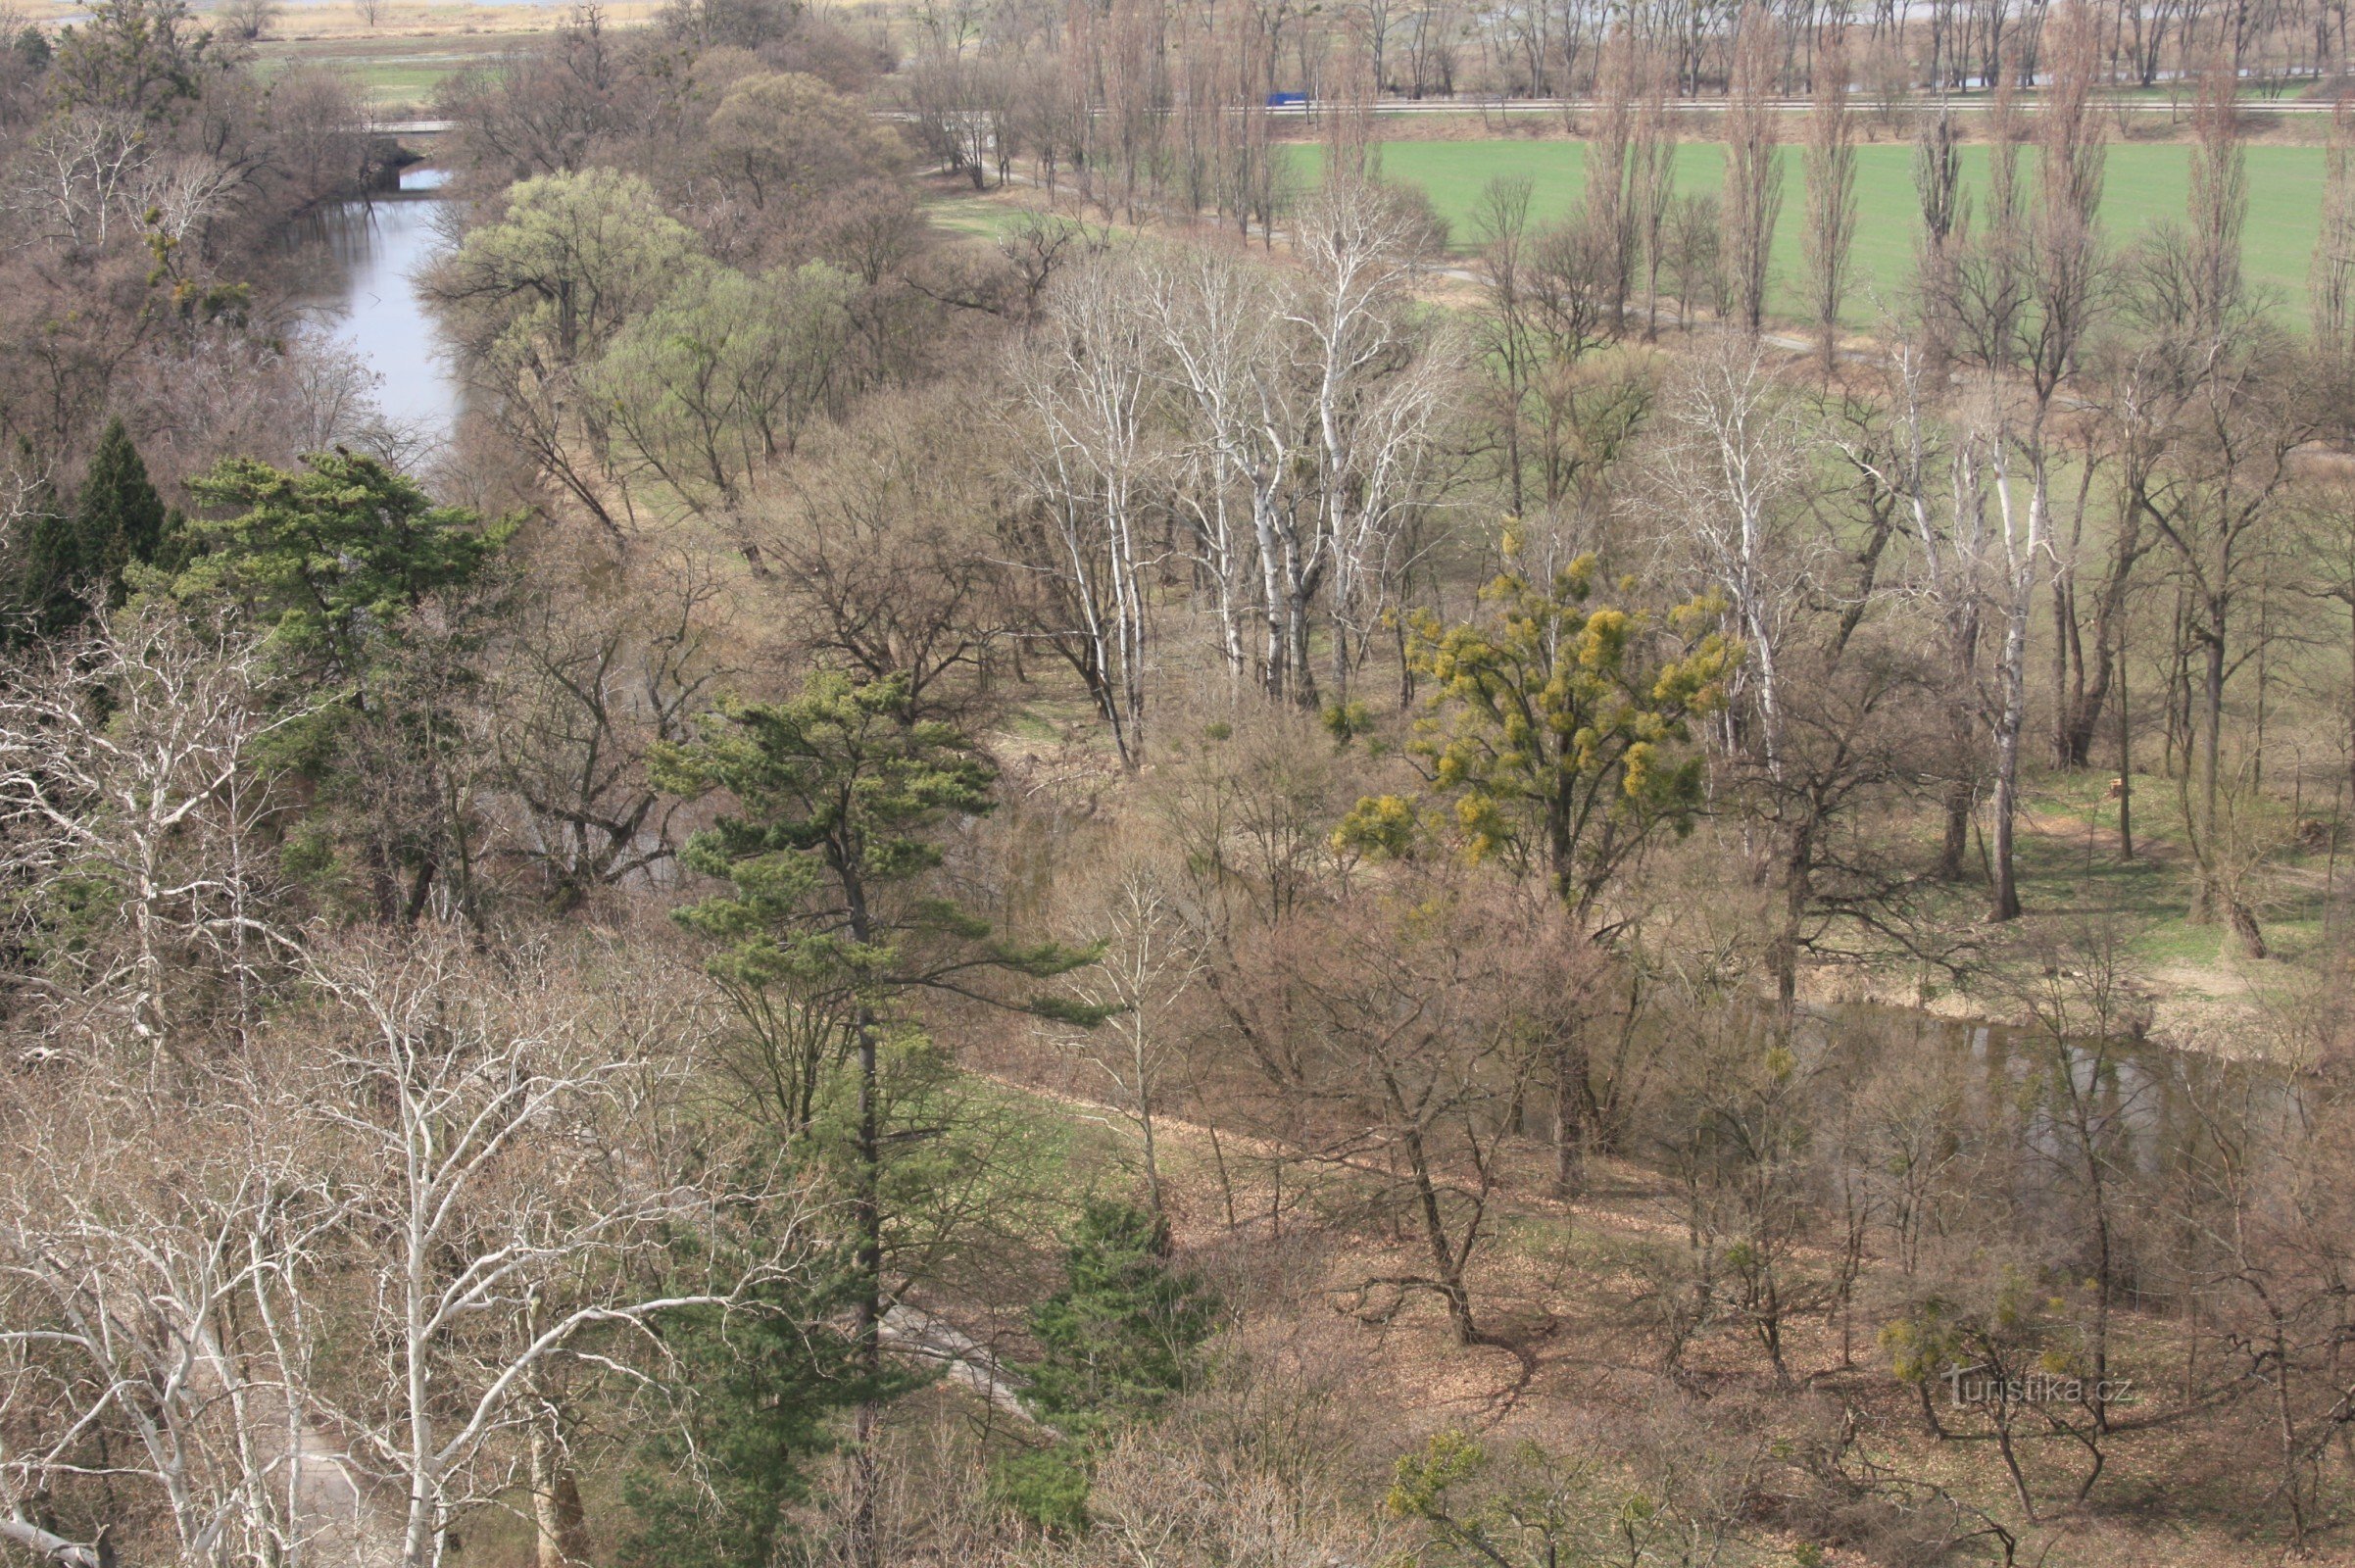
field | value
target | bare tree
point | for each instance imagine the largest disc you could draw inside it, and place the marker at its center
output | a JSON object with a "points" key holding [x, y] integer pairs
{"points": [[470, 1167], [1991, 272], [1932, 476], [1220, 325], [2065, 254], [1651, 175], [1089, 384], [883, 564], [1734, 459], [1937, 190], [1375, 382], [132, 774], [71, 178], [581, 687], [1799, 568], [1293, 423], [1830, 165], [2214, 499], [151, 1270], [2330, 279], [1753, 187], [1151, 960], [478, 1107], [1508, 329], [1607, 210], [1394, 1067], [2218, 200], [249, 19]]}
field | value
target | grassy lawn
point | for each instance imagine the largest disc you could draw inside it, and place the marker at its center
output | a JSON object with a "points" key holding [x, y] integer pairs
{"points": [[2145, 184], [2072, 879], [965, 213], [415, 45], [396, 71]]}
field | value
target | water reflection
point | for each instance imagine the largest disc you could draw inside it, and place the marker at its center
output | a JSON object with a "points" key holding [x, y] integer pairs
{"points": [[358, 261], [2153, 1109]]}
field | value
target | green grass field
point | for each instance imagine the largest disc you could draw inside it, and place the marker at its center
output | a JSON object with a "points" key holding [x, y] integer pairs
{"points": [[398, 71], [974, 216], [2145, 184]]}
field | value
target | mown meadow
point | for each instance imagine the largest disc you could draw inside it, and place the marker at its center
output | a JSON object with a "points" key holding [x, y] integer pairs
{"points": [[2144, 186]]}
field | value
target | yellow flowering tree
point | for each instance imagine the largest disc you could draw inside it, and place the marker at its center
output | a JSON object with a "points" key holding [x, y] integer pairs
{"points": [[1558, 727]]}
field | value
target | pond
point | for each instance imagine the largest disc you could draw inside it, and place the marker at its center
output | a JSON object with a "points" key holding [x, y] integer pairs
{"points": [[2156, 1107], [358, 263]]}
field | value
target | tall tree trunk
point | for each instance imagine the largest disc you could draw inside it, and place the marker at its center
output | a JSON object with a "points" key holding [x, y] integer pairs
{"points": [[1573, 1113], [1799, 887], [1955, 842], [1962, 741], [2350, 698], [2064, 645], [866, 1546], [2208, 775], [2126, 765], [559, 1521], [1444, 1261], [2012, 689], [1299, 625]]}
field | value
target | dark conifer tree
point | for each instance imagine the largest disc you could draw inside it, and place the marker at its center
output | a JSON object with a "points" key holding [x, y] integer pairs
{"points": [[118, 509], [72, 558]]}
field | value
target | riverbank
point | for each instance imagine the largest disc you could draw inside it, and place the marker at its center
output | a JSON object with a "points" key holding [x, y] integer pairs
{"points": [[2179, 982], [2250, 1025]]}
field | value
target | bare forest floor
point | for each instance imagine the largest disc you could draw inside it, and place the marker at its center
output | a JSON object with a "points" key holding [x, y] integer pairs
{"points": [[1576, 1293]]}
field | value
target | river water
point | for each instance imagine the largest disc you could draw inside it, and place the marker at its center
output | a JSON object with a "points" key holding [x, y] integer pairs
{"points": [[359, 262], [2158, 1108]]}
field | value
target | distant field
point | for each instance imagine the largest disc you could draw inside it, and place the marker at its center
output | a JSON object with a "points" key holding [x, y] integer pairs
{"points": [[2145, 184], [415, 47], [396, 71]]}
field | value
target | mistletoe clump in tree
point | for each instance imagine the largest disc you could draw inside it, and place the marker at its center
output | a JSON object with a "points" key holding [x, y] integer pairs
{"points": [[1558, 727]]}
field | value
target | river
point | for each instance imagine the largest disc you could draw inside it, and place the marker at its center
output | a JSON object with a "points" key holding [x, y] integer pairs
{"points": [[359, 262]]}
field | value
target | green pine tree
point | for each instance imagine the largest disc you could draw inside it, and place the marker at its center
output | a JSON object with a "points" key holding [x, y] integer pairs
{"points": [[760, 1388], [1123, 1335], [341, 559], [843, 800], [75, 558], [118, 505], [333, 556], [1126, 1331]]}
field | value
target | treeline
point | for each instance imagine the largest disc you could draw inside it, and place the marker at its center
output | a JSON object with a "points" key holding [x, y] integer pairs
{"points": [[1178, 96]]}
